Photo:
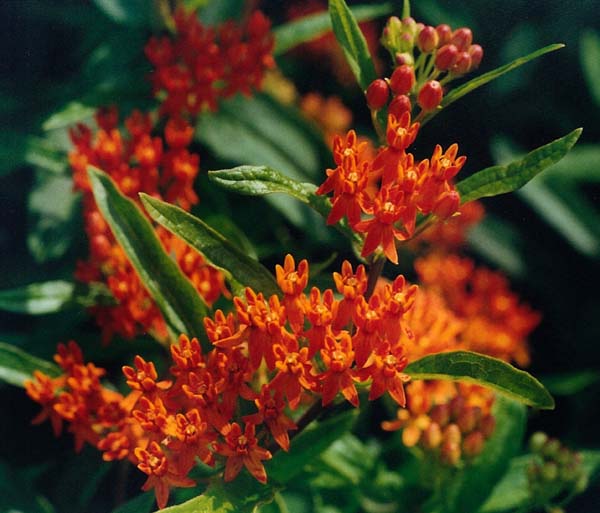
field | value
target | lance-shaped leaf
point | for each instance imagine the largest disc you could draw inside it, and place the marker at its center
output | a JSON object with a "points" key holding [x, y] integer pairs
{"points": [[178, 300], [17, 366], [483, 370], [353, 43], [261, 180], [217, 249], [477, 82], [314, 25], [53, 296], [502, 179]]}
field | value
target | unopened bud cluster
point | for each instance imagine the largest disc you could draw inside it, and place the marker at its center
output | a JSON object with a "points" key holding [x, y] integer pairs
{"points": [[449, 421], [425, 59], [555, 471]]}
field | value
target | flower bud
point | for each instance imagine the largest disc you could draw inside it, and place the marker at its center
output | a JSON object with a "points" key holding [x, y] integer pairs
{"points": [[402, 79], [470, 415], [428, 39], [581, 484], [430, 95], [444, 33], [551, 448], [473, 444], [100, 246], [452, 433], [399, 105], [440, 414], [446, 206], [432, 436], [377, 94], [450, 452], [456, 406], [446, 57], [399, 36], [537, 441], [476, 53], [549, 471], [462, 64], [462, 38], [404, 58]]}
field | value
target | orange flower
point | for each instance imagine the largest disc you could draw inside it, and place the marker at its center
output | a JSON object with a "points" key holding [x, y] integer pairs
{"points": [[242, 450], [154, 463], [338, 357]]}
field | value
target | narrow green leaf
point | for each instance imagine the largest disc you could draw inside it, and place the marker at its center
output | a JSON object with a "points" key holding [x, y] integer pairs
{"points": [[589, 54], [406, 9], [242, 495], [570, 383], [133, 13], [353, 43], [476, 481], [477, 82], [52, 296], [73, 112], [180, 304], [309, 27], [53, 213], [502, 179], [216, 248], [308, 445], [485, 371], [580, 165], [17, 366], [261, 180]]}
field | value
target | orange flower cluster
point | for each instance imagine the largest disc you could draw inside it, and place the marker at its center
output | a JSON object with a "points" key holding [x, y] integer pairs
{"points": [[451, 235], [404, 187], [137, 161], [447, 420], [271, 353], [199, 65], [495, 322]]}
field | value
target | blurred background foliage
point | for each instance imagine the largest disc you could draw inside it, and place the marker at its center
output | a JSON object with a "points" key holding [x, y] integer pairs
{"points": [[61, 59]]}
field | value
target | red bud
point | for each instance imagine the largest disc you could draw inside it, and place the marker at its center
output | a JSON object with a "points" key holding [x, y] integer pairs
{"points": [[430, 95], [462, 38], [476, 53], [402, 79], [446, 57], [377, 94], [428, 39], [399, 105], [445, 33]]}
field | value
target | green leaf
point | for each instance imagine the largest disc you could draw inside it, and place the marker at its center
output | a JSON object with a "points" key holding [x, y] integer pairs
{"points": [[502, 179], [239, 496], [473, 485], [353, 43], [570, 383], [216, 248], [17, 366], [179, 302], [73, 112], [589, 55], [53, 214], [580, 165], [143, 503], [309, 27], [308, 445], [483, 370], [52, 296], [133, 13], [477, 82], [261, 180]]}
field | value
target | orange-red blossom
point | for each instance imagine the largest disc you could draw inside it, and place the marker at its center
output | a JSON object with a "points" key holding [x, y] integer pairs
{"points": [[260, 358], [382, 197]]}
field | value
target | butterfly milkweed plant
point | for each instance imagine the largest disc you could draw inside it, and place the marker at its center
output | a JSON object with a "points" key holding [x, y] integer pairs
{"points": [[279, 289]]}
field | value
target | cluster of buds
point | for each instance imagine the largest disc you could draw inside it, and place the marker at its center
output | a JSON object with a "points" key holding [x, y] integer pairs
{"points": [[199, 65], [449, 421], [496, 323], [268, 355], [137, 161], [392, 188], [554, 472], [442, 55]]}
